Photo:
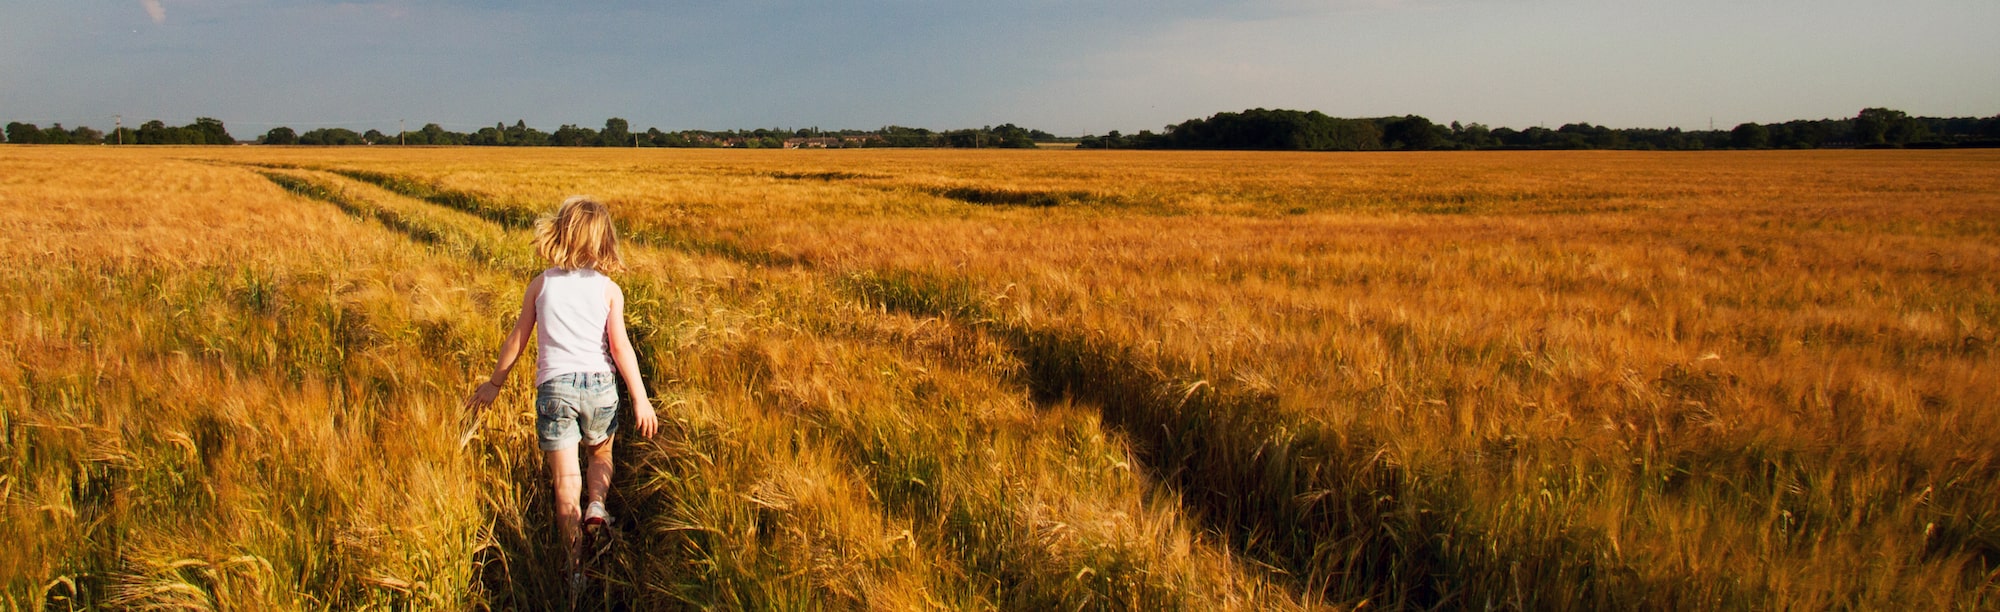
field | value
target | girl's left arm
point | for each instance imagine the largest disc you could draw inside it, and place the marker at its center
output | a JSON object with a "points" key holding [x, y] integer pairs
{"points": [[627, 361]]}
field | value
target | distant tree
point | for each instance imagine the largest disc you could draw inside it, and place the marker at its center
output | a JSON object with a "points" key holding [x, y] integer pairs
{"points": [[1472, 135], [617, 133], [434, 134], [1257, 128], [1411, 133], [376, 137], [1354, 135], [155, 132], [1952, 130], [1750, 136], [281, 135], [1906, 131], [1010, 136], [573, 136], [488, 136], [1651, 139], [1110, 140], [332, 136], [1536, 137], [55, 134], [1587, 136], [85, 135], [1777, 134], [1874, 125], [962, 139], [523, 136], [899, 136], [210, 131], [1800, 134], [1575, 135], [23, 133], [204, 130]]}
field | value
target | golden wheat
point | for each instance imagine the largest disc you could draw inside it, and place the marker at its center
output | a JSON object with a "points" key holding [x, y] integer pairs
{"points": [[1021, 379]]}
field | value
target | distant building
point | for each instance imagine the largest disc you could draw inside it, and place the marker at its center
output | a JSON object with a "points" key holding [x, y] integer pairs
{"points": [[815, 143]]}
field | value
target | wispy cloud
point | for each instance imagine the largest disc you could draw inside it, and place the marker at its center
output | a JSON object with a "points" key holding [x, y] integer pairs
{"points": [[154, 10]]}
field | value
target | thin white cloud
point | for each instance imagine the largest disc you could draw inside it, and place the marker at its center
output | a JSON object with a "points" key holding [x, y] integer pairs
{"points": [[154, 10]]}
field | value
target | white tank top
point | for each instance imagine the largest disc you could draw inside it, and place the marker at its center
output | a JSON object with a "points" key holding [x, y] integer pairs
{"points": [[570, 317]]}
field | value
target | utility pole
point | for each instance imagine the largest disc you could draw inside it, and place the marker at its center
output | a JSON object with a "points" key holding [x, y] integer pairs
{"points": [[402, 137], [120, 130]]}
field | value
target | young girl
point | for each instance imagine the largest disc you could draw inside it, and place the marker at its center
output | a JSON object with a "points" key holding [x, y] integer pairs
{"points": [[577, 316]]}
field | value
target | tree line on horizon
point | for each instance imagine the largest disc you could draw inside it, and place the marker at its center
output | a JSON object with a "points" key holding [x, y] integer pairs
{"points": [[617, 132], [204, 131], [1254, 129], [1292, 130]]}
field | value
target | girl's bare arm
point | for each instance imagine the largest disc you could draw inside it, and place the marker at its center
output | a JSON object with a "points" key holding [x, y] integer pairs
{"points": [[627, 361], [511, 348]]}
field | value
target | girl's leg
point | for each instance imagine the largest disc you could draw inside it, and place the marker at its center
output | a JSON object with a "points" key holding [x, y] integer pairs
{"points": [[597, 478], [569, 516]]}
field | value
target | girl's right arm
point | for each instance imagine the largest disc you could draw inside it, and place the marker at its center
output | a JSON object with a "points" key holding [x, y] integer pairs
{"points": [[510, 349]]}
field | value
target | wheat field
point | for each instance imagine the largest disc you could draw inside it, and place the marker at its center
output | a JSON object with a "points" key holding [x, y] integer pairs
{"points": [[230, 378]]}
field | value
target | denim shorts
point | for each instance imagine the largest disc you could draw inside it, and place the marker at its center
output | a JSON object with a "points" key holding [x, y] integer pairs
{"points": [[579, 406]]}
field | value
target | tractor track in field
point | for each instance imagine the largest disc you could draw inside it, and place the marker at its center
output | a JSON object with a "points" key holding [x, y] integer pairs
{"points": [[1318, 505], [1282, 489], [453, 214], [1245, 471]]}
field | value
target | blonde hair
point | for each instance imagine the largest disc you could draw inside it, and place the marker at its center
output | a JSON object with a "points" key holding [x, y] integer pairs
{"points": [[580, 235]]}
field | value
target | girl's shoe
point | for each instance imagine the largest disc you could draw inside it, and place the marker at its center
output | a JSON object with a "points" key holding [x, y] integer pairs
{"points": [[595, 516]]}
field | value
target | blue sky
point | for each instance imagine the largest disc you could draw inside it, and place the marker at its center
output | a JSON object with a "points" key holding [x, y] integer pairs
{"points": [[1069, 67]]}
